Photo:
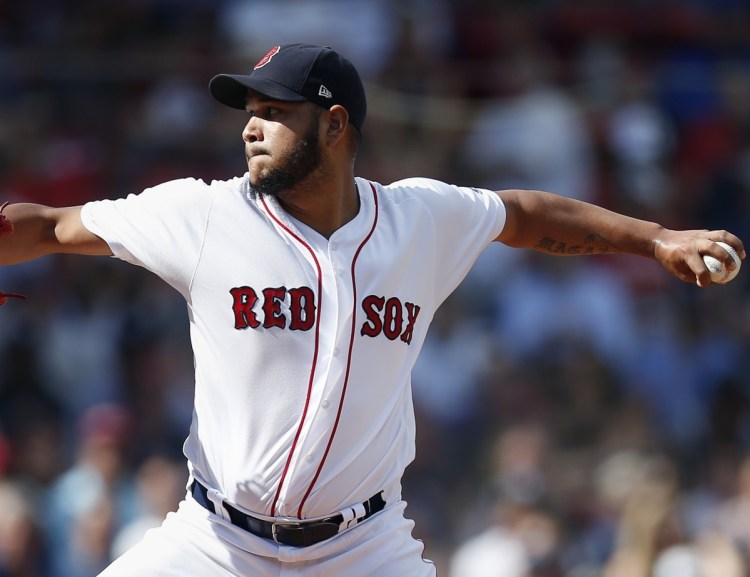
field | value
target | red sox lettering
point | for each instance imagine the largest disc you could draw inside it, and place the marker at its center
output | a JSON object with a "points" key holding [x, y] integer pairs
{"points": [[301, 308], [390, 317]]}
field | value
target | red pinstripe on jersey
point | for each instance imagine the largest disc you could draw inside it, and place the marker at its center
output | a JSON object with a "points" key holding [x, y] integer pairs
{"points": [[349, 355], [315, 351], [315, 354]]}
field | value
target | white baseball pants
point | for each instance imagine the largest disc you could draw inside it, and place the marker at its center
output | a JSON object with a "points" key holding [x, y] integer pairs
{"points": [[193, 542]]}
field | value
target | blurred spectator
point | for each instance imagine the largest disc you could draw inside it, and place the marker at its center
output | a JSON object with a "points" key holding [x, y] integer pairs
{"points": [[643, 501], [530, 134], [93, 498], [362, 29], [493, 553], [453, 361], [160, 483], [79, 359], [511, 530], [546, 305], [642, 143], [711, 556], [22, 552], [732, 514]]}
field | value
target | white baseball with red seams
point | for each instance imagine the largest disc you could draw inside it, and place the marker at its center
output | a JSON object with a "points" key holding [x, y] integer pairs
{"points": [[719, 272], [335, 326]]}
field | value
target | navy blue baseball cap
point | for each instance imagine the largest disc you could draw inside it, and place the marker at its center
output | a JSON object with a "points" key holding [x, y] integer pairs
{"points": [[295, 73]]}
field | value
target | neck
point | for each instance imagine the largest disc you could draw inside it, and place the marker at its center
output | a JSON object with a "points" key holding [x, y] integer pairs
{"points": [[323, 206]]}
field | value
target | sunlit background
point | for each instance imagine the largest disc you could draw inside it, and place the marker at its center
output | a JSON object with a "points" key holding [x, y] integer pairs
{"points": [[577, 417]]}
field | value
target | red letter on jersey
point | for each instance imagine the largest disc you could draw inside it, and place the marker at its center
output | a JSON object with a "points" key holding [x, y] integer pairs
{"points": [[412, 311], [302, 308], [272, 299], [372, 305], [393, 319], [244, 298]]}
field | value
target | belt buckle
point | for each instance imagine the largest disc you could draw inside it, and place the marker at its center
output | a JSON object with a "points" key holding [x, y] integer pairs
{"points": [[285, 526], [305, 534]]}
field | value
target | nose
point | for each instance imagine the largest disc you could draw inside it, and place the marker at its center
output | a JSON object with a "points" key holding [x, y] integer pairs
{"points": [[252, 131]]}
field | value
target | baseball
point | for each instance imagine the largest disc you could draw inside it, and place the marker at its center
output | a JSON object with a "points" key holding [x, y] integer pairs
{"points": [[719, 272]]}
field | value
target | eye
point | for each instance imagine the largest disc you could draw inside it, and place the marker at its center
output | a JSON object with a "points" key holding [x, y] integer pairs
{"points": [[265, 111]]}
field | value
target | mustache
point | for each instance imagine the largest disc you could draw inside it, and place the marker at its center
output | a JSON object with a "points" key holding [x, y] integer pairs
{"points": [[251, 151]]}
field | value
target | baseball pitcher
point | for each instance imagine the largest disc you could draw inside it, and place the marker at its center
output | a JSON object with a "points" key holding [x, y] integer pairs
{"points": [[309, 293]]}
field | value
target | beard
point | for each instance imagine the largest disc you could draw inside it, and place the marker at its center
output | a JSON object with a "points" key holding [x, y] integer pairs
{"points": [[293, 168]]}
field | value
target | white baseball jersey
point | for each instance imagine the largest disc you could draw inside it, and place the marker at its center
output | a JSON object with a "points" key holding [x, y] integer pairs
{"points": [[303, 345]]}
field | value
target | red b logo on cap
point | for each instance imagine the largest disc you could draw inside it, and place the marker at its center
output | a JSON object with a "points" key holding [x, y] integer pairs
{"points": [[267, 58]]}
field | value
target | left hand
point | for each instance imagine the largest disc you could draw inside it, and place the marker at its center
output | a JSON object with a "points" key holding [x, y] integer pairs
{"points": [[6, 229], [681, 252], [6, 226]]}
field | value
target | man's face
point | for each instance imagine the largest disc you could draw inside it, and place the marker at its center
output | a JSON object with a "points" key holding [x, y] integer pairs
{"points": [[282, 144]]}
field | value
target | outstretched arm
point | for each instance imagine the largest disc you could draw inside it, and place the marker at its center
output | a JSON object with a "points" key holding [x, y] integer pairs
{"points": [[29, 231], [563, 226]]}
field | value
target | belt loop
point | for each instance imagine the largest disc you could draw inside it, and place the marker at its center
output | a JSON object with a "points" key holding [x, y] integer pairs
{"points": [[348, 515], [218, 500], [352, 516], [359, 511]]}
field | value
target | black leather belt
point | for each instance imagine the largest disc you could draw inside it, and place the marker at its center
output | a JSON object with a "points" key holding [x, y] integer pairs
{"points": [[297, 534]]}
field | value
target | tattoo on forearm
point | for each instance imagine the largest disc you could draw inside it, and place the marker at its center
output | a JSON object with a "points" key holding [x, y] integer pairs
{"points": [[592, 244]]}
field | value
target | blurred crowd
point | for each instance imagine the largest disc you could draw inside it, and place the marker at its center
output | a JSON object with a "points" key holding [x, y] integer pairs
{"points": [[577, 417]]}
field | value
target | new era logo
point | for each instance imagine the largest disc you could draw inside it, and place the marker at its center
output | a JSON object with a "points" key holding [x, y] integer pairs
{"points": [[324, 92]]}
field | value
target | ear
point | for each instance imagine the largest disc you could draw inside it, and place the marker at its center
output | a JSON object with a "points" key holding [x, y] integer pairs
{"points": [[338, 120]]}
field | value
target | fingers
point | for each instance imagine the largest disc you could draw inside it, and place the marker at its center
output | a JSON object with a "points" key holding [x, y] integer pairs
{"points": [[5, 296], [703, 278], [6, 226], [681, 252], [730, 239], [693, 270], [724, 247]]}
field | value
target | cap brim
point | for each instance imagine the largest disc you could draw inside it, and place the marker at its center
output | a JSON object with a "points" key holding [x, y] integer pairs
{"points": [[231, 89]]}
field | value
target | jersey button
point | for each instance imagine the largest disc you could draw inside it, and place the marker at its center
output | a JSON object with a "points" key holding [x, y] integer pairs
{"points": [[324, 404], [334, 246]]}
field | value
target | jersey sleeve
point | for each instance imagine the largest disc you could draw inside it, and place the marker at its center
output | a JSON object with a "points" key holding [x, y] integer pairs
{"points": [[465, 221], [161, 229]]}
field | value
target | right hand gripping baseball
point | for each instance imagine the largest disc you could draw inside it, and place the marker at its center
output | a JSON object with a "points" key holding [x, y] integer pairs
{"points": [[681, 252]]}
